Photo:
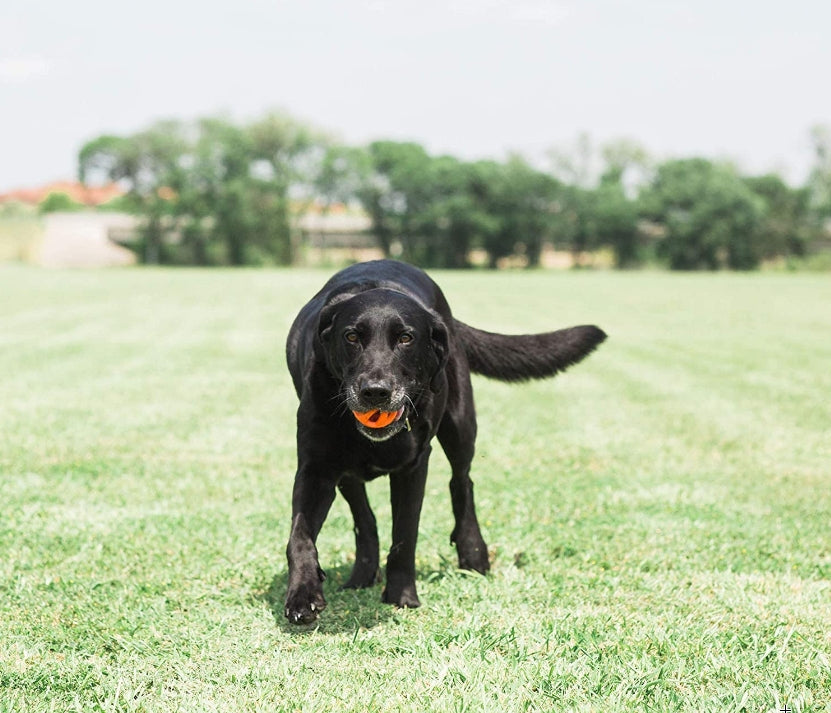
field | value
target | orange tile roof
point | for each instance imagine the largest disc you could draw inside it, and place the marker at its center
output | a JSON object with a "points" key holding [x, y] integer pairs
{"points": [[78, 192]]}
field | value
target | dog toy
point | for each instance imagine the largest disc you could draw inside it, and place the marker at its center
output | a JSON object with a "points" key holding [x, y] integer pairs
{"points": [[377, 418]]}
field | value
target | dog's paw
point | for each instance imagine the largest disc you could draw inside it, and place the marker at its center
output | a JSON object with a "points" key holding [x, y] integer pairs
{"points": [[473, 555], [401, 596], [362, 578], [304, 604]]}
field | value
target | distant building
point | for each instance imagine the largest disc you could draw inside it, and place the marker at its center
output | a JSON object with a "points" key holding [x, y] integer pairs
{"points": [[75, 239], [85, 195], [83, 240], [336, 234]]}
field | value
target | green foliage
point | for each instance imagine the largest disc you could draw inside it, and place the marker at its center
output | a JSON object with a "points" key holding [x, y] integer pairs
{"points": [[396, 194], [617, 222], [711, 217], [525, 203], [343, 174], [146, 163], [211, 192], [597, 212], [789, 227], [59, 202], [603, 216], [439, 208], [455, 220], [819, 181], [119, 204], [658, 516]]}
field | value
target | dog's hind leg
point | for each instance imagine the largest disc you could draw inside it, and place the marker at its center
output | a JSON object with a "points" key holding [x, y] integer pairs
{"points": [[457, 436], [365, 572]]}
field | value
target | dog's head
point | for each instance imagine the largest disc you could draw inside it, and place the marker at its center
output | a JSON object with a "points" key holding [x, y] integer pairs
{"points": [[386, 350]]}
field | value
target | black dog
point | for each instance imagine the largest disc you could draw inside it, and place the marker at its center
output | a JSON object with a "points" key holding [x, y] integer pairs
{"points": [[381, 366]]}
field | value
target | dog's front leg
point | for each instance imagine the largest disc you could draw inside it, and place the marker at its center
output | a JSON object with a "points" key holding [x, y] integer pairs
{"points": [[311, 500], [406, 496]]}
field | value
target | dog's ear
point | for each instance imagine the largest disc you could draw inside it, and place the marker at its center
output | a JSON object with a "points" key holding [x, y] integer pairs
{"points": [[325, 322], [322, 345], [441, 349]]}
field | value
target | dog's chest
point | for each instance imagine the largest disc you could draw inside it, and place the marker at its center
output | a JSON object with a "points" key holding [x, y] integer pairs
{"points": [[371, 473], [399, 453]]}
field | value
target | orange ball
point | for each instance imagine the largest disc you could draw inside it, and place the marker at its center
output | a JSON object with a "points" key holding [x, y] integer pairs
{"points": [[377, 418]]}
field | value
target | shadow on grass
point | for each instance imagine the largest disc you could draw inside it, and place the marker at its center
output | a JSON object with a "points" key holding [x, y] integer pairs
{"points": [[346, 609]]}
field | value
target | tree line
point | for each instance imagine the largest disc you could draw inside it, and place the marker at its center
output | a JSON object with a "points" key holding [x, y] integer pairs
{"points": [[216, 192]]}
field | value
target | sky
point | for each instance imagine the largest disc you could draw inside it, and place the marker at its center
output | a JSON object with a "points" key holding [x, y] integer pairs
{"points": [[737, 80]]}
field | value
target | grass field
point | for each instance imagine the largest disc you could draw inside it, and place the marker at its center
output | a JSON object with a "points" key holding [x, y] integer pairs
{"points": [[658, 516]]}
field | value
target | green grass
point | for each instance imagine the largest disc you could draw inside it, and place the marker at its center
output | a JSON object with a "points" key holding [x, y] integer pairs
{"points": [[658, 516]]}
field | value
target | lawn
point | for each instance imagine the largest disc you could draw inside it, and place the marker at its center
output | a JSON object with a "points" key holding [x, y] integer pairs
{"points": [[658, 516]]}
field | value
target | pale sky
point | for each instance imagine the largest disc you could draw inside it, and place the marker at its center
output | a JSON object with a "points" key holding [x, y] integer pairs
{"points": [[742, 80]]}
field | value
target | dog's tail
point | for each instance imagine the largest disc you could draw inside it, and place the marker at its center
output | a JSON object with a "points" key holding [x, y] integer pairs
{"points": [[519, 357]]}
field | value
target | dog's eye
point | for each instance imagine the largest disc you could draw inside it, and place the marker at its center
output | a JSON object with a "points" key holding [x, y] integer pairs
{"points": [[405, 338], [351, 336]]}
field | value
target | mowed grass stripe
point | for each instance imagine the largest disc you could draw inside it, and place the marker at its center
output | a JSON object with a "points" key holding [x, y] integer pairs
{"points": [[657, 515]]}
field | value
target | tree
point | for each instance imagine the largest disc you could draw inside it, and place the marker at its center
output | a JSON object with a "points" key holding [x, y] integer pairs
{"points": [[213, 192], [284, 171], [143, 163], [342, 174], [524, 204], [439, 208], [458, 218], [789, 225], [423, 204], [819, 180], [598, 207], [626, 162], [59, 202], [396, 195], [711, 217], [616, 221]]}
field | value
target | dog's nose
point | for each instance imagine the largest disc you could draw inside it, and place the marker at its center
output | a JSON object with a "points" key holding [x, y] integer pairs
{"points": [[376, 392]]}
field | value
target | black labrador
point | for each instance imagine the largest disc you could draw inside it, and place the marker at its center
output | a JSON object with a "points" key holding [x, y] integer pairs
{"points": [[381, 366]]}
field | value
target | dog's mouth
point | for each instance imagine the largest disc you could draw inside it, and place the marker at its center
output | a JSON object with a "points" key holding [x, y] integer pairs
{"points": [[376, 418], [377, 424]]}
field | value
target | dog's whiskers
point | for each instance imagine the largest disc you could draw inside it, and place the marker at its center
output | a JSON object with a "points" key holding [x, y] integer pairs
{"points": [[343, 403]]}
